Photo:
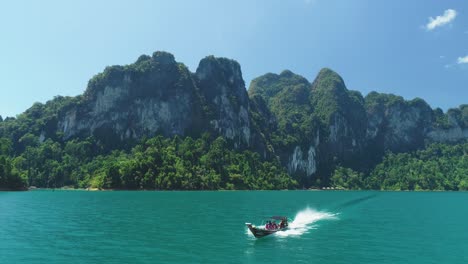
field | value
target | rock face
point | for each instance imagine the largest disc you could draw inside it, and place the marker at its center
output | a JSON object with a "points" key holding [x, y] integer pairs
{"points": [[220, 82], [453, 134], [342, 119], [321, 122], [287, 97], [395, 124], [455, 127], [263, 125], [300, 162], [157, 95]]}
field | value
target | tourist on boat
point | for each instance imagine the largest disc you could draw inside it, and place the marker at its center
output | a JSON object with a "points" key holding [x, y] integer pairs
{"points": [[274, 225], [282, 225]]}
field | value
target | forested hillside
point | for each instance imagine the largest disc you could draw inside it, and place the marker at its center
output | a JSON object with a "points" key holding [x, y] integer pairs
{"points": [[154, 124]]}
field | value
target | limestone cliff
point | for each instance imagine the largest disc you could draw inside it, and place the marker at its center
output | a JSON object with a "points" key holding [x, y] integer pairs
{"points": [[220, 82], [319, 123], [291, 129], [157, 95], [451, 127]]}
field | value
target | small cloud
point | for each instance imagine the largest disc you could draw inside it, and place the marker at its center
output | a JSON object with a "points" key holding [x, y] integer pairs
{"points": [[308, 2], [462, 60], [448, 16], [442, 56]]}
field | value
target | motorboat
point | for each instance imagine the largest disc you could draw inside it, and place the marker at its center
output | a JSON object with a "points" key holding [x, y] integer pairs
{"points": [[269, 226]]}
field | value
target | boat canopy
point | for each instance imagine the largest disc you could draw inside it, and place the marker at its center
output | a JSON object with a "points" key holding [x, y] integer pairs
{"points": [[279, 217]]}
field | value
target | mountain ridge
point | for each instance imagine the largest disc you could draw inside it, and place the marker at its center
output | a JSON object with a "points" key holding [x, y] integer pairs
{"points": [[309, 127]]}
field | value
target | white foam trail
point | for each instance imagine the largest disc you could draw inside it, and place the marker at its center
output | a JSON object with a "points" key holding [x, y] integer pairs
{"points": [[304, 221]]}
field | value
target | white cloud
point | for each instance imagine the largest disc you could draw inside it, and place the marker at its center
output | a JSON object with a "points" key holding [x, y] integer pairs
{"points": [[448, 16], [442, 56], [462, 60]]}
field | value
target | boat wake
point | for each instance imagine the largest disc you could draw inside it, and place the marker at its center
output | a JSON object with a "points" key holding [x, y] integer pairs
{"points": [[304, 221]]}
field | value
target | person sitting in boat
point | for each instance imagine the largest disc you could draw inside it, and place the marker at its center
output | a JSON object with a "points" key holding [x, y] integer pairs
{"points": [[282, 224], [274, 225], [268, 225]]}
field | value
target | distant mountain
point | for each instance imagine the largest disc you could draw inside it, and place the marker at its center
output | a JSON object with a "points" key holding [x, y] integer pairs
{"points": [[310, 128]]}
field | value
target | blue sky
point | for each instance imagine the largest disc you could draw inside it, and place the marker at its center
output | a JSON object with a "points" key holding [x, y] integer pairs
{"points": [[50, 48]]}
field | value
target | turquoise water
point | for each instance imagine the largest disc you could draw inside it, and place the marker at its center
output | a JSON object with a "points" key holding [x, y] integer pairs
{"points": [[208, 227]]}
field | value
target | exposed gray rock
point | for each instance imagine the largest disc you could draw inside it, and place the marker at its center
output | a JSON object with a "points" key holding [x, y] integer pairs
{"points": [[154, 95], [448, 135], [220, 82], [157, 95], [395, 124], [303, 163]]}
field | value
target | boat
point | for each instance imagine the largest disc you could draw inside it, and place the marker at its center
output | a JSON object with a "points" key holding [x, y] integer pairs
{"points": [[267, 228]]}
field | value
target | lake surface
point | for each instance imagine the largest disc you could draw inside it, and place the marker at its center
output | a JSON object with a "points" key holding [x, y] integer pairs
{"points": [[208, 227]]}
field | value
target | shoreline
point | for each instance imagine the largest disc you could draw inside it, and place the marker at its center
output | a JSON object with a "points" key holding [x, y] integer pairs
{"points": [[326, 189], [13, 190]]}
